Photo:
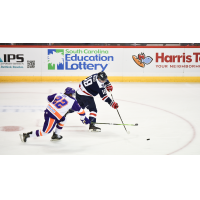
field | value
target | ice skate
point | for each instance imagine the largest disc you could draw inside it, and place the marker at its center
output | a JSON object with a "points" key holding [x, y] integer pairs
{"points": [[93, 128], [56, 137], [24, 136]]}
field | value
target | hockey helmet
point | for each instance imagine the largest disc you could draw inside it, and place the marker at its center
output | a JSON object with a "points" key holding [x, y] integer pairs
{"points": [[69, 91], [102, 76]]}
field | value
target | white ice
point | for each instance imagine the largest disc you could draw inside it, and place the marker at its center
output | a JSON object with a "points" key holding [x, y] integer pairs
{"points": [[167, 113]]}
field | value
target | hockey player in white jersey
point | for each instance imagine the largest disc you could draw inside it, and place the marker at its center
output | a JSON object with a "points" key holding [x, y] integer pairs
{"points": [[90, 87], [54, 115]]}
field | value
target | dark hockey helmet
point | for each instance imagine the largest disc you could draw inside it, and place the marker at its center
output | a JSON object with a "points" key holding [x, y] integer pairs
{"points": [[102, 76], [69, 91]]}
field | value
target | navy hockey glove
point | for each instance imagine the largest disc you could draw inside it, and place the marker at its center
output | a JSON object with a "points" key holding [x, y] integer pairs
{"points": [[109, 88], [114, 105], [85, 121]]}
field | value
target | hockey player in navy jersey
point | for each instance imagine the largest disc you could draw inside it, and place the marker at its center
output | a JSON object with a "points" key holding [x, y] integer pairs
{"points": [[90, 87], [54, 115]]}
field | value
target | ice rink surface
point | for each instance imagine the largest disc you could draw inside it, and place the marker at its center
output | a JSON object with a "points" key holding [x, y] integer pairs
{"points": [[167, 113]]}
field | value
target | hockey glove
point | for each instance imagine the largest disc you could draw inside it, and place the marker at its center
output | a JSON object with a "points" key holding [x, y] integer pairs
{"points": [[85, 121], [109, 88], [114, 105]]}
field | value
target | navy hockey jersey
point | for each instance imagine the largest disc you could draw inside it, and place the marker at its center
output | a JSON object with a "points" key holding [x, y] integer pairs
{"points": [[91, 86]]}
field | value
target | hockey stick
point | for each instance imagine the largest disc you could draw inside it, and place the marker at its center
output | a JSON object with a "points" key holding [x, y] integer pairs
{"points": [[119, 114], [69, 111], [117, 124]]}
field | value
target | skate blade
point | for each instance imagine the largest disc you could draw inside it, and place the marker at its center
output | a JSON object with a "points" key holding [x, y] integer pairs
{"points": [[91, 130], [21, 137], [55, 139]]}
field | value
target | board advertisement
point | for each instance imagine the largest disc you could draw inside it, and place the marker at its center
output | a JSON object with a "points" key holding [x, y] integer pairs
{"points": [[84, 61]]}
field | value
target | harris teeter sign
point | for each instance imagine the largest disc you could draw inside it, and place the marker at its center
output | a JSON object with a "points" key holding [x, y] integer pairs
{"points": [[79, 59]]}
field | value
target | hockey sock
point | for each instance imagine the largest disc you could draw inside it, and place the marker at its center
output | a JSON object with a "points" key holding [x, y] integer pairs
{"points": [[57, 131], [59, 127], [38, 133], [92, 119], [92, 116]]}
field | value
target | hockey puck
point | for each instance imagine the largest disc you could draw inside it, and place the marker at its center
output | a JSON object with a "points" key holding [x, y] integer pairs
{"points": [[148, 139], [136, 124]]}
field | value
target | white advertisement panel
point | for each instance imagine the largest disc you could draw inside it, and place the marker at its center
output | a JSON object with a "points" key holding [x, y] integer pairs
{"points": [[130, 67], [161, 62], [192, 66], [20, 61], [119, 62], [81, 61]]}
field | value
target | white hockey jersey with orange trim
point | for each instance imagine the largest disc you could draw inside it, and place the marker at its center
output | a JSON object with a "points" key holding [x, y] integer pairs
{"points": [[59, 105]]}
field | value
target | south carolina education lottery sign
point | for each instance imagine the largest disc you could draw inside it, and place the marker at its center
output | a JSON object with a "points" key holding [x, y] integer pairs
{"points": [[79, 59]]}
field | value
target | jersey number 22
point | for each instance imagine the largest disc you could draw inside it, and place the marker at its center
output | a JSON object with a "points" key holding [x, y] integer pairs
{"points": [[59, 102]]}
